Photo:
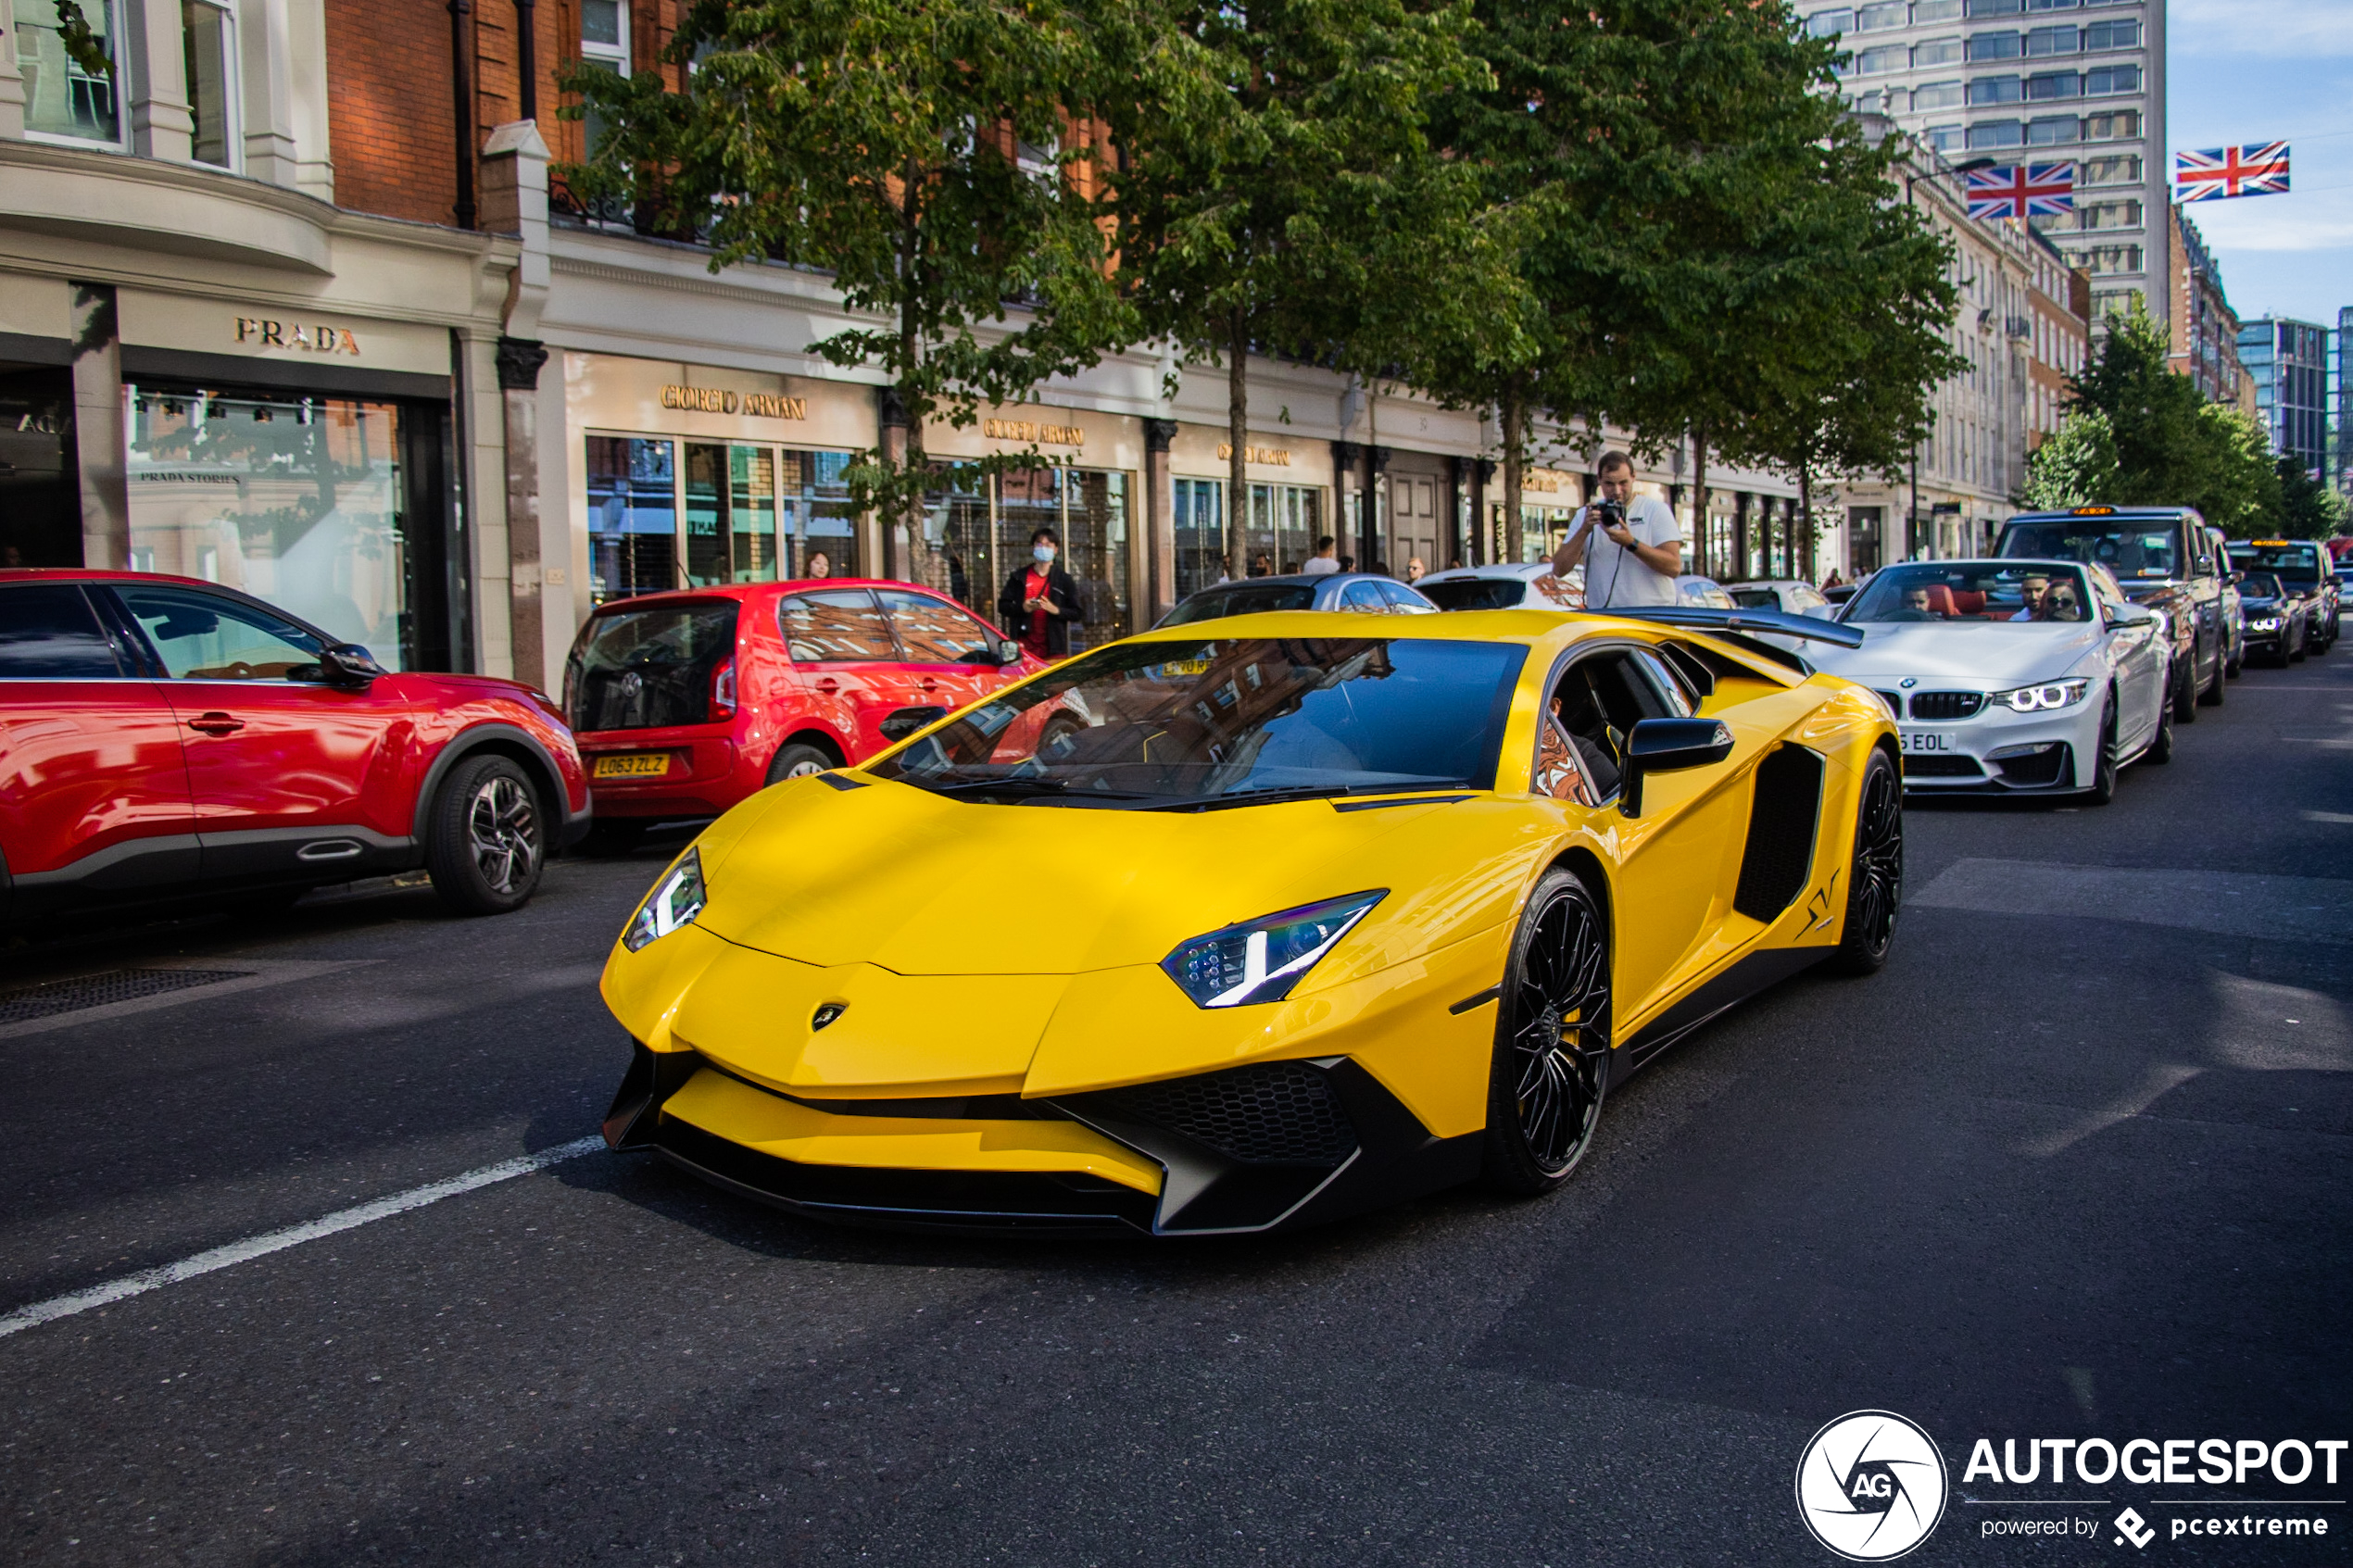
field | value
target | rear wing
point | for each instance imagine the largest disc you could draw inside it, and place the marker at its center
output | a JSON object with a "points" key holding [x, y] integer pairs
{"points": [[1744, 627]]}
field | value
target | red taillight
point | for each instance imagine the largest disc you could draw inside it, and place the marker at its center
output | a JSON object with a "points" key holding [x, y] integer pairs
{"points": [[722, 692]]}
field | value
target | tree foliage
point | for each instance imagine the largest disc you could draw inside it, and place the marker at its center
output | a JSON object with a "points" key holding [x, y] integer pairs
{"points": [[1298, 208], [2308, 510], [934, 156], [2075, 465]]}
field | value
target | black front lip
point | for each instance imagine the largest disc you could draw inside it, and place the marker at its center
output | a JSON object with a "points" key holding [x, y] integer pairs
{"points": [[1204, 1193]]}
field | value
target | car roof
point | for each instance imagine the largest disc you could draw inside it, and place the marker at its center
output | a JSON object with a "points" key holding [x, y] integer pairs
{"points": [[755, 590], [1524, 570], [2074, 514]]}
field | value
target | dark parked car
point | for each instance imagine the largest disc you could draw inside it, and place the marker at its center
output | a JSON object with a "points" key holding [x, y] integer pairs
{"points": [[2278, 620], [2164, 559], [2305, 567]]}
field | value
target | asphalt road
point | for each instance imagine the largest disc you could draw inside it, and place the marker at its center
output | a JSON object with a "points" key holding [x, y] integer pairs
{"points": [[2075, 1164]]}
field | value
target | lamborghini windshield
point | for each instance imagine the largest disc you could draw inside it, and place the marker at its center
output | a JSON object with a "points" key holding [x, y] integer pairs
{"points": [[1981, 593], [1229, 722]]}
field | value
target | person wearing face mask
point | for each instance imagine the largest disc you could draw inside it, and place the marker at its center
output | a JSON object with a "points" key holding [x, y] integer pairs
{"points": [[1040, 603]]}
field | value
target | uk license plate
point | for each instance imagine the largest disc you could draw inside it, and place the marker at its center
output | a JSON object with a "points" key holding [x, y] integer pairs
{"points": [[632, 765], [1921, 741]]}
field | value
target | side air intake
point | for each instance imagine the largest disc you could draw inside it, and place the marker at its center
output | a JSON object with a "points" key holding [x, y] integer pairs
{"points": [[1778, 858]]}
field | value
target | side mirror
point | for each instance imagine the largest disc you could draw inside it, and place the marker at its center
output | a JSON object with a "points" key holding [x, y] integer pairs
{"points": [[349, 664], [907, 721], [1007, 652], [2238, 577], [2131, 615], [1669, 746]]}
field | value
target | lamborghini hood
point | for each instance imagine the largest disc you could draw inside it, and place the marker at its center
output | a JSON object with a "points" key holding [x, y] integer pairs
{"points": [[894, 876], [1987, 654]]}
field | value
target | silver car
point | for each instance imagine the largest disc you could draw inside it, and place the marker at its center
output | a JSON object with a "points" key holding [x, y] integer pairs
{"points": [[1367, 592]]}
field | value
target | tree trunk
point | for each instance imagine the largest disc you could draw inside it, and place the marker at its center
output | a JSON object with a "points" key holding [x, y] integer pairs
{"points": [[1238, 439], [1515, 438], [1700, 562], [1804, 525]]}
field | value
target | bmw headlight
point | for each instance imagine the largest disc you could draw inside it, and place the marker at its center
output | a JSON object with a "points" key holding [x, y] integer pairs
{"points": [[1260, 960], [2269, 624], [2044, 698], [677, 899]]}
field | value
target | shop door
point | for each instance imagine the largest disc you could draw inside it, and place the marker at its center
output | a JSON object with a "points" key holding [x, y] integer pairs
{"points": [[1412, 521]]}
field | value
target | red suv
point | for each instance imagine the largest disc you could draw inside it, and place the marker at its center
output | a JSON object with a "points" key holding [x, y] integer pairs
{"points": [[161, 737], [687, 703]]}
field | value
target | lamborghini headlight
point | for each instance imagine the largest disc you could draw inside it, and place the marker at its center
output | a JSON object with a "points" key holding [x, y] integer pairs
{"points": [[1260, 960], [677, 899], [2042, 698]]}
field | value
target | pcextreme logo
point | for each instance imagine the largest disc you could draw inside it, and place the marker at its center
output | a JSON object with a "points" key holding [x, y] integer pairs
{"points": [[1870, 1486]]}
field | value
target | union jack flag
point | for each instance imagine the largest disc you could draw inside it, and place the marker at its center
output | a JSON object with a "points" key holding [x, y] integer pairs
{"points": [[2022, 191], [2218, 173]]}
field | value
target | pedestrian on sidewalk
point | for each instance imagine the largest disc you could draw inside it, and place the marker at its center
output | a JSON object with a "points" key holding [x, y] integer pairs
{"points": [[1630, 546], [1040, 603], [1325, 560]]}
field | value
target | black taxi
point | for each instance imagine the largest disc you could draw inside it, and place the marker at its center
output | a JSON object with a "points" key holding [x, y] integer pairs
{"points": [[2164, 557]]}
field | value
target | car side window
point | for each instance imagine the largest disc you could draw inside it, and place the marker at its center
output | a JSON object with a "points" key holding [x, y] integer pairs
{"points": [[1560, 591], [206, 636], [1363, 597], [1401, 600], [1667, 685], [48, 632], [834, 626], [935, 632]]}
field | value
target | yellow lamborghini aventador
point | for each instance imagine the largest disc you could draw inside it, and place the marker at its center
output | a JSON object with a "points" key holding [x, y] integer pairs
{"points": [[1254, 922]]}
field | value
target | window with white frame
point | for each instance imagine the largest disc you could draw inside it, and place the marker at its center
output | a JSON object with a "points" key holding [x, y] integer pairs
{"points": [[64, 99], [209, 48], [604, 45]]}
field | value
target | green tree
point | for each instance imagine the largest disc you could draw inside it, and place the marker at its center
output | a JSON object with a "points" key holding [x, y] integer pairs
{"points": [[2074, 467], [2308, 510], [1299, 209], [932, 155]]}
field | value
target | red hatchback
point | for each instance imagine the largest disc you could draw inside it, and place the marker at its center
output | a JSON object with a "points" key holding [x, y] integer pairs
{"points": [[161, 737], [687, 703]]}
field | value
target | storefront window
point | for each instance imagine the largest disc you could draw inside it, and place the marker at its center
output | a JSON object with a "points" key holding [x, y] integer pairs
{"points": [[1201, 535], [61, 98], [633, 517], [1543, 530], [815, 514], [976, 534], [1280, 532], [731, 514], [296, 500]]}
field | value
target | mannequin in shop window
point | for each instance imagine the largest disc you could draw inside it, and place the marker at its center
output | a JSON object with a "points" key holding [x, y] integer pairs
{"points": [[1040, 603]]}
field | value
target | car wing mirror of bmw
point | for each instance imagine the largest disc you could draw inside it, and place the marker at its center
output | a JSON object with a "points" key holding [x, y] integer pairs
{"points": [[1668, 745], [2131, 615], [907, 721]]}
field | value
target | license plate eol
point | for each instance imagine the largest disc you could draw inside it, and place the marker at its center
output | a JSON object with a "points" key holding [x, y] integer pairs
{"points": [[1917, 741], [632, 765]]}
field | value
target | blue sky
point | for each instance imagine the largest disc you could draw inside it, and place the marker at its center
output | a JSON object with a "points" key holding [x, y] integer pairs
{"points": [[2266, 70]]}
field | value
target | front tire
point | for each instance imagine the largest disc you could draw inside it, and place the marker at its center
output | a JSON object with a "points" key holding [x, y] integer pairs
{"points": [[2161, 745], [1552, 1061], [2103, 788], [798, 761], [1875, 882], [2185, 691], [2212, 696], [486, 839]]}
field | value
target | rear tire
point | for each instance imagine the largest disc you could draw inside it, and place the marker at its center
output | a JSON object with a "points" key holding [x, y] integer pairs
{"points": [[2212, 696], [2162, 744], [799, 761], [486, 837], [1875, 879], [1552, 1061]]}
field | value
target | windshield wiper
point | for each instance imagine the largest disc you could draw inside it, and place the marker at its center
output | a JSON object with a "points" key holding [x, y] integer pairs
{"points": [[1022, 784]]}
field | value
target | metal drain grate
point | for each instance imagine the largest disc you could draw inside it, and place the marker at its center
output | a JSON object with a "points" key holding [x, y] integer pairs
{"points": [[97, 990]]}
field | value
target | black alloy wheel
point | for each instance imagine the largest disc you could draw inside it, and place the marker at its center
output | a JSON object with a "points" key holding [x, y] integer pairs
{"points": [[486, 841], [1875, 886], [2103, 788], [1551, 1056]]}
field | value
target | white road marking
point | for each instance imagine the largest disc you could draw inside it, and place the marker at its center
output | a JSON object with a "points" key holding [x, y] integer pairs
{"points": [[259, 973], [293, 1235]]}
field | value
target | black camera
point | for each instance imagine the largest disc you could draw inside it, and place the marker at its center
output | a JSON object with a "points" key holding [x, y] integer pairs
{"points": [[1606, 515]]}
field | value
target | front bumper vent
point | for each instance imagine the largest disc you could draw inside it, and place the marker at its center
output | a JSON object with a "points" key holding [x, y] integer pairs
{"points": [[1277, 1113], [1947, 705], [1942, 768]]}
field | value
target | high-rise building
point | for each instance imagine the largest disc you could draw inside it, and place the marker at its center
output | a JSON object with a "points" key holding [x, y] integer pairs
{"points": [[2290, 363], [2043, 81], [2341, 399], [2206, 329]]}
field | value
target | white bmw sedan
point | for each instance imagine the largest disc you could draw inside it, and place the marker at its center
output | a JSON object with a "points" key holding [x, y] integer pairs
{"points": [[2011, 676]]}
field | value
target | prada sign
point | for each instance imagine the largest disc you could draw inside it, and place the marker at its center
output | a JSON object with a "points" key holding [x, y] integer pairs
{"points": [[315, 337]]}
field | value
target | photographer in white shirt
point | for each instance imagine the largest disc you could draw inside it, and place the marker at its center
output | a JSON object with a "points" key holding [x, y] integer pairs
{"points": [[1630, 546]]}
